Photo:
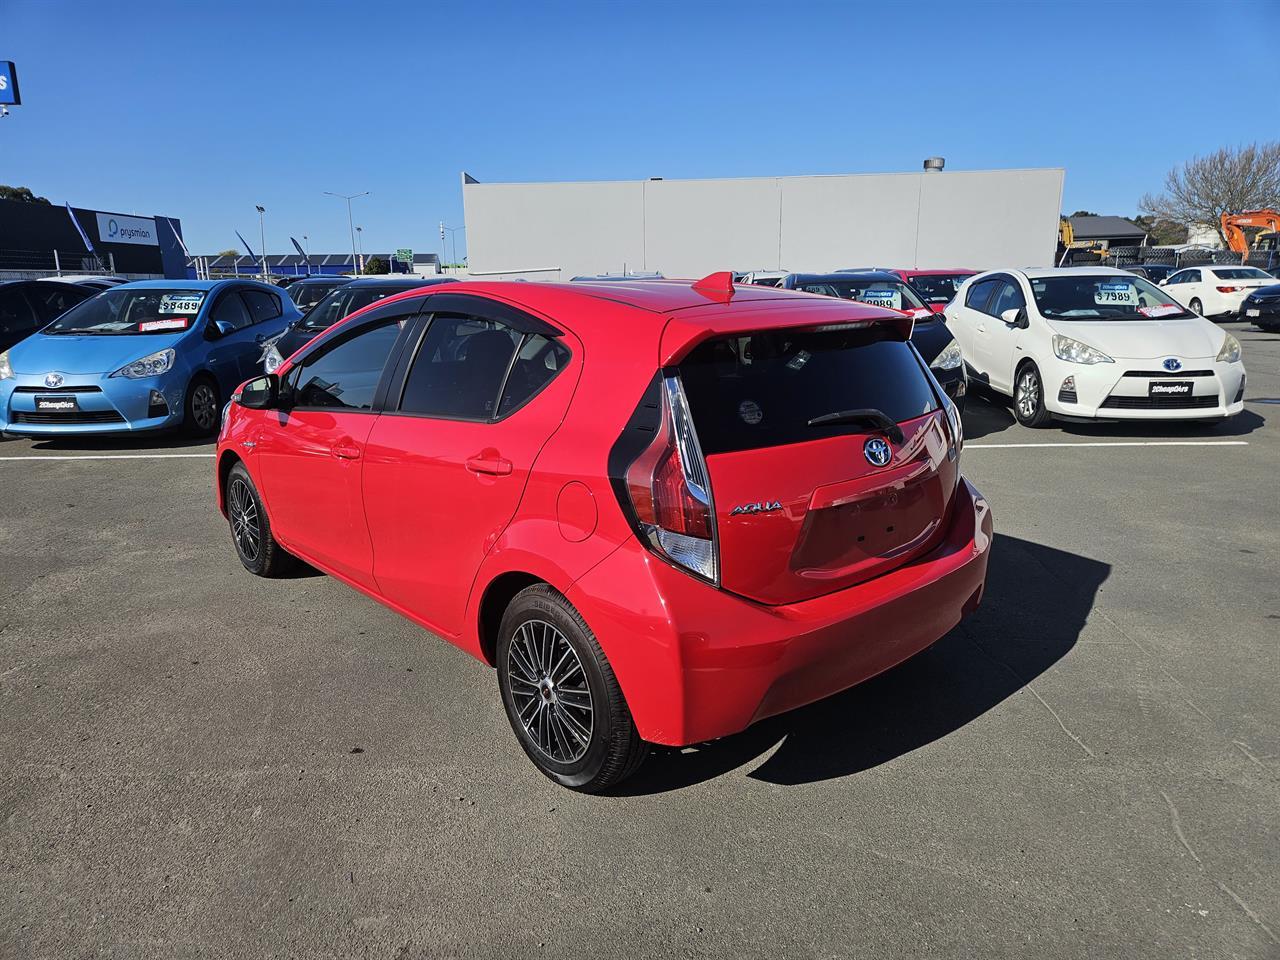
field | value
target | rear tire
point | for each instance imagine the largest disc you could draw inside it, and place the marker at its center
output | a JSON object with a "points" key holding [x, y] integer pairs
{"points": [[201, 410], [251, 528], [561, 696], [1028, 397], [1196, 306]]}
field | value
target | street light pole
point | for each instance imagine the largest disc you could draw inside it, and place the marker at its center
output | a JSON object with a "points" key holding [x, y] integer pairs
{"points": [[453, 237], [360, 246], [350, 221], [262, 236], [306, 252]]}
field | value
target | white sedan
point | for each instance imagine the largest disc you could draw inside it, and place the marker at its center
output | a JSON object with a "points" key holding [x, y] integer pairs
{"points": [[1094, 343], [1211, 290]]}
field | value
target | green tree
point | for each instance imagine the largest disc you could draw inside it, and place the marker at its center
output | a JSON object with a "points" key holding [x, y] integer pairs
{"points": [[376, 265], [21, 194], [1162, 233], [1084, 213], [229, 252]]}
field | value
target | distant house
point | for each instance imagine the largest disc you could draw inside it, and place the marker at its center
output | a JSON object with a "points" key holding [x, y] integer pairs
{"points": [[1107, 232]]}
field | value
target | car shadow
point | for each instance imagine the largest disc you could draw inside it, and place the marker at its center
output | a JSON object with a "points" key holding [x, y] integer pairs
{"points": [[985, 413], [124, 443], [1036, 604]]}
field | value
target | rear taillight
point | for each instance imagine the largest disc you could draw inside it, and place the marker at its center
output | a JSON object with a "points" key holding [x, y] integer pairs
{"points": [[668, 490], [1229, 289]]}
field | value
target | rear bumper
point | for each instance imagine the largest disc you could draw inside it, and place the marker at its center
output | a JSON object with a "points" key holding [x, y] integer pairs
{"points": [[696, 663]]}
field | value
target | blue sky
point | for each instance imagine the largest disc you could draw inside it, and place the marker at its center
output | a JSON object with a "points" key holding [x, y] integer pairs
{"points": [[201, 110]]}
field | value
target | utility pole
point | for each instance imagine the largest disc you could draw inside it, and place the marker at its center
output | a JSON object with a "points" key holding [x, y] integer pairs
{"points": [[350, 222], [360, 246], [262, 236]]}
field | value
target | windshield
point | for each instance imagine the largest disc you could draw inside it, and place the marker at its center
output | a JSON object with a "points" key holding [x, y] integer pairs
{"points": [[342, 302], [1103, 297], [939, 287], [129, 311], [1240, 273], [308, 293], [893, 294]]}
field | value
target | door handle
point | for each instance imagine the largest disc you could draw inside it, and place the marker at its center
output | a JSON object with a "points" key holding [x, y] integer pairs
{"points": [[494, 466], [345, 449], [982, 328]]}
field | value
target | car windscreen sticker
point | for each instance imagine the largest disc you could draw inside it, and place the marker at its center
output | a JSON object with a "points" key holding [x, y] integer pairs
{"points": [[882, 297], [1164, 310], [188, 301], [750, 412], [156, 326], [1119, 294]]}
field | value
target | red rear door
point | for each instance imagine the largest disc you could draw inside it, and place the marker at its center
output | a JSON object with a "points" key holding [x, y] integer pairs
{"points": [[829, 456]]}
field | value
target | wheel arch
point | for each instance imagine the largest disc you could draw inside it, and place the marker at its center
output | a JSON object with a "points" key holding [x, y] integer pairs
{"points": [[227, 460], [497, 596]]}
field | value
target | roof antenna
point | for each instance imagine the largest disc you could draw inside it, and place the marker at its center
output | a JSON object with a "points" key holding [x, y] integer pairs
{"points": [[716, 286]]}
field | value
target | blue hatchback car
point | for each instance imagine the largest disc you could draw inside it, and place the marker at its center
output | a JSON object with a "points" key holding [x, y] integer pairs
{"points": [[141, 356]]}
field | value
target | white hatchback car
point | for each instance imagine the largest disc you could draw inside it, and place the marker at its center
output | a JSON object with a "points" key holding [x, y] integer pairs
{"points": [[1094, 343], [1212, 290]]}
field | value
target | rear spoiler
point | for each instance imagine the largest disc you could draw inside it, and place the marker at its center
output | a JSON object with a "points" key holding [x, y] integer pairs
{"points": [[683, 333]]}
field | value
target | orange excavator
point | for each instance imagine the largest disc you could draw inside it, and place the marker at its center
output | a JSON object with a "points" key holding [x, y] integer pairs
{"points": [[1233, 225]]}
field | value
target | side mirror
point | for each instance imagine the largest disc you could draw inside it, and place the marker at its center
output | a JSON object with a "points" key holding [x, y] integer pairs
{"points": [[1016, 317], [260, 394], [217, 329]]}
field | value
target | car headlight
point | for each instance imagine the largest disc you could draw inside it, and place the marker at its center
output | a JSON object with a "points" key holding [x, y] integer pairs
{"points": [[1073, 351], [949, 358], [271, 358], [1229, 353], [6, 371], [152, 365]]}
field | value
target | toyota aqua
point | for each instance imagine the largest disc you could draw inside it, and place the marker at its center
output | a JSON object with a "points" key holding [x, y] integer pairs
{"points": [[662, 510]]}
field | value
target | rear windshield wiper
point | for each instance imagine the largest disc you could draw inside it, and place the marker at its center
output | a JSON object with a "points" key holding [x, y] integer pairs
{"points": [[867, 415]]}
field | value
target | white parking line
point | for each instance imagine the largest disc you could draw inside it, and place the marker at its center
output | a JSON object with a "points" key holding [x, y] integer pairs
{"points": [[1111, 443], [115, 456]]}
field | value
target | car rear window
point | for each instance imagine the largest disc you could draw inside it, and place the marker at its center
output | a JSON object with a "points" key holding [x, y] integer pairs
{"points": [[761, 390]]}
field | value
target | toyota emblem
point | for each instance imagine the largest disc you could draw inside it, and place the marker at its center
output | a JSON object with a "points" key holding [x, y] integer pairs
{"points": [[877, 451], [53, 380], [1172, 364]]}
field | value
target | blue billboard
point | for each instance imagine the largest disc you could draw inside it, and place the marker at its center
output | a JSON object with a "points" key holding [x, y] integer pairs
{"points": [[9, 84]]}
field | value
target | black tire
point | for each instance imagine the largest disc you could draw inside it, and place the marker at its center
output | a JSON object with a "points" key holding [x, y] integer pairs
{"points": [[576, 691], [1196, 307], [251, 528], [202, 408], [1028, 397]]}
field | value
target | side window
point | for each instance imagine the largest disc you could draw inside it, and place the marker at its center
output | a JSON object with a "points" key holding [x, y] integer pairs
{"points": [[346, 375], [1192, 276], [262, 305], [15, 313], [459, 368], [539, 360], [978, 295], [1007, 297], [54, 301], [231, 309]]}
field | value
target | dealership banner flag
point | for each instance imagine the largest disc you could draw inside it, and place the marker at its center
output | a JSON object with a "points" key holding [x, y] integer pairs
{"points": [[297, 246], [80, 230], [246, 246]]}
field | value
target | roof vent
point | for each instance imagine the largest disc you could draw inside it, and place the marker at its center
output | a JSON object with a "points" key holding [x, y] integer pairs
{"points": [[934, 164]]}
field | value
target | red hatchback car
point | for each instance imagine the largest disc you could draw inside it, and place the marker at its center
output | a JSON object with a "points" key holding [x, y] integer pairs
{"points": [[661, 510]]}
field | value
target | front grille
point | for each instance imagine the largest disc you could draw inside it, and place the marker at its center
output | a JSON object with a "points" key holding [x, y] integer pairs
{"points": [[67, 416], [1160, 403], [57, 389], [1067, 396], [1167, 374]]}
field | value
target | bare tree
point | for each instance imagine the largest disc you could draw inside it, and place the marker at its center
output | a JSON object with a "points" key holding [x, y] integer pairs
{"points": [[1225, 181]]}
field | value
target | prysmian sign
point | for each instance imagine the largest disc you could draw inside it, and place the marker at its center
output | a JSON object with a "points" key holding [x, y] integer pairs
{"points": [[114, 228]]}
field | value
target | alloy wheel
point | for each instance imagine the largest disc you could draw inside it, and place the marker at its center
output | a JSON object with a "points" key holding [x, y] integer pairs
{"points": [[244, 519], [1028, 394], [550, 691], [204, 406]]}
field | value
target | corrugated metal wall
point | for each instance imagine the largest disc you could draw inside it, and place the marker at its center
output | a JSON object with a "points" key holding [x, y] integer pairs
{"points": [[683, 228]]}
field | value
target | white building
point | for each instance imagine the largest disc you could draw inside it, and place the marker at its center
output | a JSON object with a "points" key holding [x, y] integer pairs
{"points": [[689, 228]]}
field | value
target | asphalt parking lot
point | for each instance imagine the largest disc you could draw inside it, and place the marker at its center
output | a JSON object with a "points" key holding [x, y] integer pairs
{"points": [[199, 763]]}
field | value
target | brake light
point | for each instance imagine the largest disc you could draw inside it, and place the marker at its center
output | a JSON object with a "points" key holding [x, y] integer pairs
{"points": [[1229, 289], [667, 486]]}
